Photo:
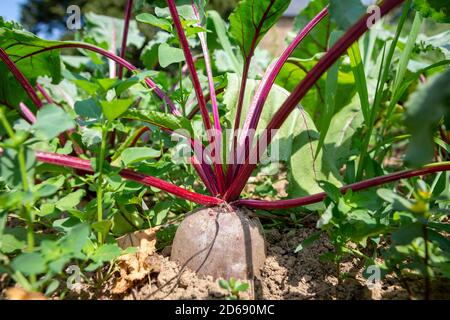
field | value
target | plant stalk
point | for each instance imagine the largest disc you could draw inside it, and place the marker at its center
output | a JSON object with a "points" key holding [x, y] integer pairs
{"points": [[128, 12], [101, 160], [366, 184]]}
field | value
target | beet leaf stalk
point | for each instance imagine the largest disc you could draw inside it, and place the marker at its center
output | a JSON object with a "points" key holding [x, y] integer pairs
{"points": [[215, 109], [358, 186], [128, 12], [262, 93], [190, 63], [196, 83], [85, 165], [27, 113], [352, 35], [21, 78]]}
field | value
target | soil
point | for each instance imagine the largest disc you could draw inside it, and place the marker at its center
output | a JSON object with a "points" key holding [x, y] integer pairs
{"points": [[286, 275]]}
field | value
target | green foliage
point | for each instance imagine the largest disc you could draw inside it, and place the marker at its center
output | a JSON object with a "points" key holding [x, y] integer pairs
{"points": [[251, 20], [346, 13], [51, 121], [169, 55], [234, 287], [426, 108], [437, 10]]}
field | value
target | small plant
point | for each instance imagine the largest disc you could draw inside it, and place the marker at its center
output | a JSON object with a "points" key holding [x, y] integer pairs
{"points": [[234, 287]]}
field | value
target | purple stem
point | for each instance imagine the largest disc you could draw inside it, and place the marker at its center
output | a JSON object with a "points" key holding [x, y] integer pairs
{"points": [[28, 115], [190, 64], [352, 35], [204, 170], [128, 12], [118, 60], [85, 165], [193, 72], [370, 183], [262, 93], [21, 78], [215, 109], [237, 120]]}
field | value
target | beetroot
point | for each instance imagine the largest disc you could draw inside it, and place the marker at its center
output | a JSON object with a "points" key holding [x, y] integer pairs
{"points": [[221, 242]]}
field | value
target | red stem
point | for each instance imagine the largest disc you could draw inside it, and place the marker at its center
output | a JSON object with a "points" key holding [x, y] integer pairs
{"points": [[370, 183], [190, 64], [85, 165], [128, 12], [28, 115], [215, 109], [139, 135], [262, 93], [237, 120], [352, 35], [204, 171], [194, 77], [118, 60], [21, 78]]}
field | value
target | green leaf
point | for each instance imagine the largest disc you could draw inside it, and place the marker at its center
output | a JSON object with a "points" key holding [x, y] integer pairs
{"points": [[76, 238], [19, 43], [9, 243], [342, 128], [331, 87], [154, 21], [88, 109], [29, 263], [51, 121], [49, 186], [360, 79], [325, 217], [114, 109], [251, 20], [106, 253], [168, 55], [398, 201], [318, 38], [10, 168], [220, 29], [161, 120], [102, 226], [425, 108], [71, 200], [159, 212], [224, 284], [149, 54], [346, 13], [54, 284], [242, 287], [133, 155], [438, 10]]}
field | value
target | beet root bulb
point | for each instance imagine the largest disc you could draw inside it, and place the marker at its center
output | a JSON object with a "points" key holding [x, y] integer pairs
{"points": [[220, 242]]}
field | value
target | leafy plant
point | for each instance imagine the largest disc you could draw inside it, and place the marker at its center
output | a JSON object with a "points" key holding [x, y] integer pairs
{"points": [[97, 142], [234, 287]]}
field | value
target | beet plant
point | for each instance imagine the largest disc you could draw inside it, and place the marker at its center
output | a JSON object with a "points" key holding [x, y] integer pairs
{"points": [[98, 143]]}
